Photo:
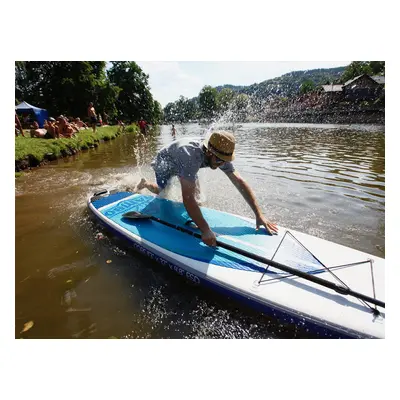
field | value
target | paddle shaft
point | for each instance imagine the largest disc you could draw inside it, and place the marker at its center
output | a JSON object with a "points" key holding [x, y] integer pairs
{"points": [[285, 268]]}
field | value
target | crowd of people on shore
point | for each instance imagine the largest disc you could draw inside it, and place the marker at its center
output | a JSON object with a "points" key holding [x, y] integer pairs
{"points": [[62, 127], [68, 127]]}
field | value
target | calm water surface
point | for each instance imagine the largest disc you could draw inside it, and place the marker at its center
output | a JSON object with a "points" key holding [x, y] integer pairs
{"points": [[73, 280]]}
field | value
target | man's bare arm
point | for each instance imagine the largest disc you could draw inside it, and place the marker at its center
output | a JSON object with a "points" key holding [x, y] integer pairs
{"points": [[193, 209], [190, 203]]}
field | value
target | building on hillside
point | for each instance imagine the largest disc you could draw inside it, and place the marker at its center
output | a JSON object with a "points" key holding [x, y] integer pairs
{"points": [[362, 87], [332, 88], [332, 94]]}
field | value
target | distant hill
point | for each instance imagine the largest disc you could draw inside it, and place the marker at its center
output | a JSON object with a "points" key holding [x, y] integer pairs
{"points": [[288, 84], [277, 90]]}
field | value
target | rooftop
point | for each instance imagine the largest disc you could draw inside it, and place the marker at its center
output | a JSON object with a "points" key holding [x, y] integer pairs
{"points": [[332, 88]]}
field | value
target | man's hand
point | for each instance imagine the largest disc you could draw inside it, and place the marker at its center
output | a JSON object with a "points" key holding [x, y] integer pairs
{"points": [[269, 226], [209, 238]]}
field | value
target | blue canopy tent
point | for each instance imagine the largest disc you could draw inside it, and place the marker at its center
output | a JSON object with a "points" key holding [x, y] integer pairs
{"points": [[41, 114]]}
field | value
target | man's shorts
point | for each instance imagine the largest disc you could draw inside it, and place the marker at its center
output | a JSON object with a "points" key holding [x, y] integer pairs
{"points": [[164, 170], [93, 120], [163, 174]]}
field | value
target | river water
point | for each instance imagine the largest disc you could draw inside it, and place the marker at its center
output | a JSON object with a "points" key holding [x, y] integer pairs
{"points": [[73, 280]]}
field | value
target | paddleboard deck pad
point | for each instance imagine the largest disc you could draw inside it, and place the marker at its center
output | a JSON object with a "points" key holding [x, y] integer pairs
{"points": [[288, 297]]}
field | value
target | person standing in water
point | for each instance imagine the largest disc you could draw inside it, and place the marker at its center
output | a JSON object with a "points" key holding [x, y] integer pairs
{"points": [[142, 125], [184, 158], [173, 131], [92, 116]]}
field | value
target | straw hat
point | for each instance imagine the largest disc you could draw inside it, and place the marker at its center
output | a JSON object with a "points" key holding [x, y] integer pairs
{"points": [[222, 144]]}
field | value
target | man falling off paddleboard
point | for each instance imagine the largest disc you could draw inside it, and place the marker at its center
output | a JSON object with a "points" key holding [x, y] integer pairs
{"points": [[183, 158]]}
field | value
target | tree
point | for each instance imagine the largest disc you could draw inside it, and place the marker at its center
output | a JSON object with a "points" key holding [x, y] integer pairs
{"points": [[170, 114], [208, 102], [62, 87], [180, 108], [225, 99], [67, 87], [307, 86], [356, 68], [157, 116], [135, 100], [241, 103], [192, 108], [185, 109], [378, 67], [107, 99]]}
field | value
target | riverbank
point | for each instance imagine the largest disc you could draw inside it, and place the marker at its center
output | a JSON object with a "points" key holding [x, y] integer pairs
{"points": [[33, 152], [342, 116]]}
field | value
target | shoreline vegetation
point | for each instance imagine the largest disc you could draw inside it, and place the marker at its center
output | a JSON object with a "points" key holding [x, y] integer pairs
{"points": [[34, 152]]}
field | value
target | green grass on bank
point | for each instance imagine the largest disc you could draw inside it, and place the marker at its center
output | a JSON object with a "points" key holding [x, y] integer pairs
{"points": [[27, 147]]}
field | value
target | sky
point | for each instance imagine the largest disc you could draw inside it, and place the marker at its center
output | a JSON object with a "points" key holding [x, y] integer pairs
{"points": [[170, 79]]}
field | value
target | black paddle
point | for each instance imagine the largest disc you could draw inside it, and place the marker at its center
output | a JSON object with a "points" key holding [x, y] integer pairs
{"points": [[339, 289]]}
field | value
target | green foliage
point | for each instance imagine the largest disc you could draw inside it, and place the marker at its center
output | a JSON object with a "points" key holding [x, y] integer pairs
{"points": [[157, 113], [135, 100], [132, 129], [357, 68], [208, 102], [288, 84], [170, 112], [181, 110], [307, 86], [25, 146], [38, 148], [62, 87], [241, 102], [67, 87], [107, 99], [224, 99], [377, 67], [186, 109]]}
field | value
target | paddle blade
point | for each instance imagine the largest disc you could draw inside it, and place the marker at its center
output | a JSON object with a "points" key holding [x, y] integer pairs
{"points": [[135, 215]]}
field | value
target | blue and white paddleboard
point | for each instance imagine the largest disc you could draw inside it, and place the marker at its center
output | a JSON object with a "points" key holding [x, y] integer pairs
{"points": [[273, 291]]}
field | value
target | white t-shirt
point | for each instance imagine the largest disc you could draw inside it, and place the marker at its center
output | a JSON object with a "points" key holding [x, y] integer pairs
{"points": [[183, 158]]}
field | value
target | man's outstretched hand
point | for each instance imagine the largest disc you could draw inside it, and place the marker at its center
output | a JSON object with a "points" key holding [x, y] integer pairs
{"points": [[269, 226]]}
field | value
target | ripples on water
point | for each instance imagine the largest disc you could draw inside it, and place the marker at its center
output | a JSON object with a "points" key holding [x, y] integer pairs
{"points": [[329, 160], [325, 180]]}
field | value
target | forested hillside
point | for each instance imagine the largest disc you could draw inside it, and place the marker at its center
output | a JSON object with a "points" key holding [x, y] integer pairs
{"points": [[297, 91], [288, 84]]}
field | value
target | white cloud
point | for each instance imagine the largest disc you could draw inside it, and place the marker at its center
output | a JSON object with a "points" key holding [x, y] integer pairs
{"points": [[168, 81]]}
